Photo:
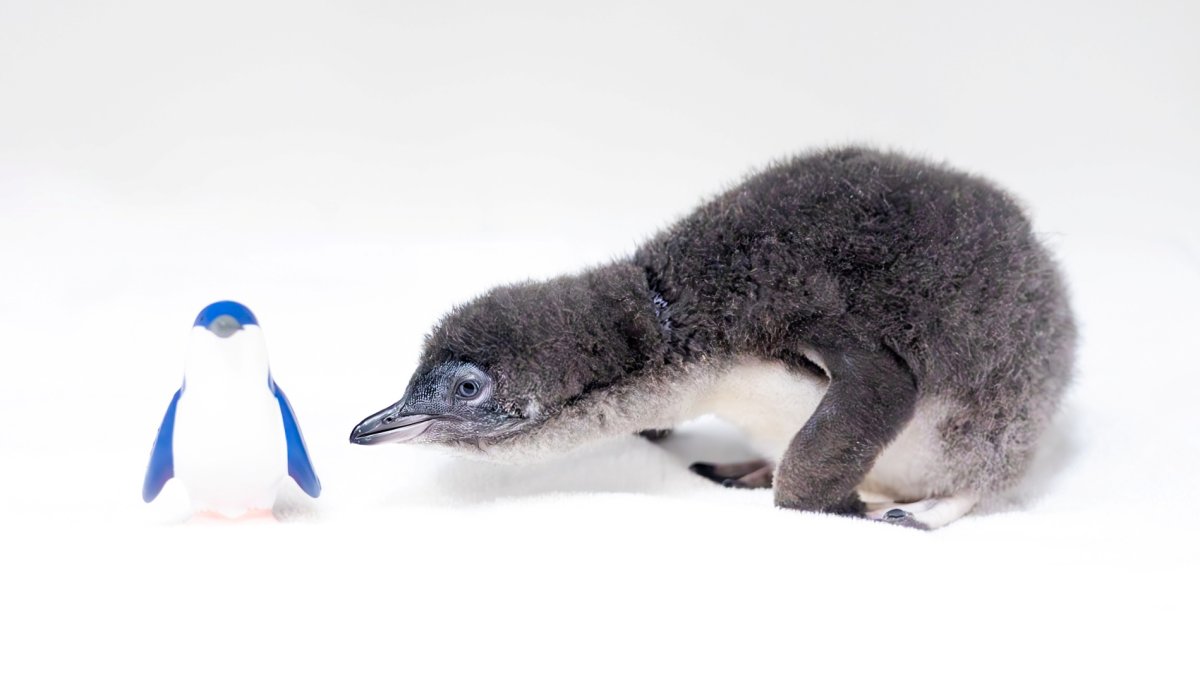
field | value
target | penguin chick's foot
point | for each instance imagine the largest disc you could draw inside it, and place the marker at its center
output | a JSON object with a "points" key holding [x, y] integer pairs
{"points": [[654, 435], [927, 514], [755, 474]]}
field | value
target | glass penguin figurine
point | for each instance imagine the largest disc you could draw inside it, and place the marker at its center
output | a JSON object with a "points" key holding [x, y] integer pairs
{"points": [[229, 435]]}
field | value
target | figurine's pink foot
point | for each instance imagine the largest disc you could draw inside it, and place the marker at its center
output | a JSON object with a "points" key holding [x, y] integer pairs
{"points": [[250, 515], [206, 517]]}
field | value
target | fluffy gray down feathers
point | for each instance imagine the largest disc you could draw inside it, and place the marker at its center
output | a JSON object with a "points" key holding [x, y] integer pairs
{"points": [[848, 247]]}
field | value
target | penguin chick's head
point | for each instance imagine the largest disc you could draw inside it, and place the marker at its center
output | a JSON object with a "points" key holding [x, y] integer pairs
{"points": [[514, 359]]}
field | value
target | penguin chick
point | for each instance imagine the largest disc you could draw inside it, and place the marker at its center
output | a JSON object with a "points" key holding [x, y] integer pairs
{"points": [[888, 331]]}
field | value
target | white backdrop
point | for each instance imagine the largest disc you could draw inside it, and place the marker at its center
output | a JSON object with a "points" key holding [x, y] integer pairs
{"points": [[351, 170]]}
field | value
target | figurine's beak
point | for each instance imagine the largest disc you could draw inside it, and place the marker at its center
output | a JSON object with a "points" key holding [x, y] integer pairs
{"points": [[390, 426], [224, 326]]}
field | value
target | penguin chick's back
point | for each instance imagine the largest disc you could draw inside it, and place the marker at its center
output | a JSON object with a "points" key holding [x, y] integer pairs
{"points": [[854, 247]]}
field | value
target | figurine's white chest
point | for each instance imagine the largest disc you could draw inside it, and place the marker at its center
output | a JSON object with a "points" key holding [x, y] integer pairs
{"points": [[229, 447]]}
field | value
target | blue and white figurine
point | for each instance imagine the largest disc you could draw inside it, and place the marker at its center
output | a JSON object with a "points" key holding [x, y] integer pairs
{"points": [[229, 435]]}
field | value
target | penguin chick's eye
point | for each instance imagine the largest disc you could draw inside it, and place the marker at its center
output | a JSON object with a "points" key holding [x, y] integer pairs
{"points": [[467, 389]]}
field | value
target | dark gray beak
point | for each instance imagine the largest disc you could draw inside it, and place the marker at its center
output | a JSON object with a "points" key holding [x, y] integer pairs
{"points": [[389, 426]]}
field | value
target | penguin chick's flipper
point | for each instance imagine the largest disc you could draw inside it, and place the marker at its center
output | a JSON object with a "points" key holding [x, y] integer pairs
{"points": [[162, 457], [654, 435], [927, 514], [753, 474], [299, 466], [872, 394]]}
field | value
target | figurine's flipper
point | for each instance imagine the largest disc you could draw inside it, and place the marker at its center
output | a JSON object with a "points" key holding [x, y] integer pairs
{"points": [[162, 457], [299, 467]]}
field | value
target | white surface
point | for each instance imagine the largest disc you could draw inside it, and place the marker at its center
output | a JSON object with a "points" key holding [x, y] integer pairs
{"points": [[350, 171]]}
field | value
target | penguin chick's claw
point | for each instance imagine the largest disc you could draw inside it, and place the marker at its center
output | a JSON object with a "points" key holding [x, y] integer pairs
{"points": [[900, 517], [750, 475], [927, 514], [654, 435]]}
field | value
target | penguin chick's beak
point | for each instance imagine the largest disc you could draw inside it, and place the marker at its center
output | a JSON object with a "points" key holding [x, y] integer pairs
{"points": [[388, 426]]}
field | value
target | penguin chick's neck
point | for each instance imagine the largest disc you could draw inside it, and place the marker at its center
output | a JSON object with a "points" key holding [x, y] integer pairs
{"points": [[232, 362], [551, 342], [572, 350], [620, 326]]}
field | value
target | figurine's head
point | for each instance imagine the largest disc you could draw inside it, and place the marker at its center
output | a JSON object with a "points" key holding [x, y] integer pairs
{"points": [[226, 345], [224, 318]]}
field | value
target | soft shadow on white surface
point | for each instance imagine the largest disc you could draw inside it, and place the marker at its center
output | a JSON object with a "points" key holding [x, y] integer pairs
{"points": [[1057, 453], [630, 465]]}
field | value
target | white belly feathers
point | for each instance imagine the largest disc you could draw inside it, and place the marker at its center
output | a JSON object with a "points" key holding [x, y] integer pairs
{"points": [[770, 403], [764, 399]]}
